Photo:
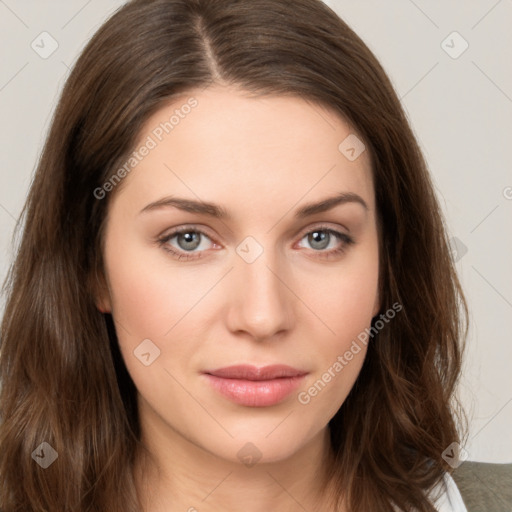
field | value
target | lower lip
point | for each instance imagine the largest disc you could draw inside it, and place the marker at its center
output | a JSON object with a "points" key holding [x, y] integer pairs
{"points": [[251, 393]]}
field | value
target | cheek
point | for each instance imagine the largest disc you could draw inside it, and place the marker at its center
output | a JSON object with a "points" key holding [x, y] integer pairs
{"points": [[345, 301], [345, 297], [338, 357], [356, 299], [149, 297], [155, 300], [325, 391]]}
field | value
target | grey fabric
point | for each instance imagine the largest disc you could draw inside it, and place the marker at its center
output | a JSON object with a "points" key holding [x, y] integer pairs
{"points": [[485, 487]]}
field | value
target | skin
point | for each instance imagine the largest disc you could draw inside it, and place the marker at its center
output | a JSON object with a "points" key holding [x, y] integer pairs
{"points": [[260, 159]]}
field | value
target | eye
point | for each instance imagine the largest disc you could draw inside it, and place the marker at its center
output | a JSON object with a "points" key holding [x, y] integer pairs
{"points": [[188, 242], [187, 239], [322, 237]]}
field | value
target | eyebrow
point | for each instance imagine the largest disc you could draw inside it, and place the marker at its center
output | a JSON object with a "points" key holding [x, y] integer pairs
{"points": [[217, 211]]}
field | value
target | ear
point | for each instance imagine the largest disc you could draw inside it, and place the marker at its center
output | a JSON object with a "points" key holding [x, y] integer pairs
{"points": [[100, 292]]}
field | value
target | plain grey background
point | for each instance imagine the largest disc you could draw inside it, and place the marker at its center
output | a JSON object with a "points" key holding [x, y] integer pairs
{"points": [[450, 63]]}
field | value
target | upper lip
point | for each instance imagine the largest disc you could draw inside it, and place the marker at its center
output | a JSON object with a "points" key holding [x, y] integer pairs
{"points": [[249, 372]]}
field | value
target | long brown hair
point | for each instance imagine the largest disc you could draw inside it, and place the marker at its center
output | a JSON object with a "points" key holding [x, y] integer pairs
{"points": [[63, 379]]}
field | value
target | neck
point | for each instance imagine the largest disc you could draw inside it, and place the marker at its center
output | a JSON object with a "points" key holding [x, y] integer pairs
{"points": [[176, 475]]}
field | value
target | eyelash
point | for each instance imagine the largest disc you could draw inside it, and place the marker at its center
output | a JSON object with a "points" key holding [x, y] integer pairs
{"points": [[344, 238]]}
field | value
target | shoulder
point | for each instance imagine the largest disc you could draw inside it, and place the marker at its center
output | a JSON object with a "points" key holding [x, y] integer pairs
{"points": [[446, 496]]}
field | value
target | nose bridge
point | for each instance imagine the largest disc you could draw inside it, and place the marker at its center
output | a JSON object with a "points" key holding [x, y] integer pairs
{"points": [[261, 303]]}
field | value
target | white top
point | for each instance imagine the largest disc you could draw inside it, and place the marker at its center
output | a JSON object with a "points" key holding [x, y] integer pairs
{"points": [[446, 497]]}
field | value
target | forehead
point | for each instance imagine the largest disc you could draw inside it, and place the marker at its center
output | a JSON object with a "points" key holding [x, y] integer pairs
{"points": [[225, 145]]}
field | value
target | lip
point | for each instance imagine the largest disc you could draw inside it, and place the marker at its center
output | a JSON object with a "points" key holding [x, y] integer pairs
{"points": [[255, 386]]}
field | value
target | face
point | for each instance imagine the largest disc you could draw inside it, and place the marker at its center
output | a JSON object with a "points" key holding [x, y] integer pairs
{"points": [[257, 277]]}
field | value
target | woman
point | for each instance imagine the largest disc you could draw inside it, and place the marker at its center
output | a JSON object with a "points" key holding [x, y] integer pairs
{"points": [[233, 288]]}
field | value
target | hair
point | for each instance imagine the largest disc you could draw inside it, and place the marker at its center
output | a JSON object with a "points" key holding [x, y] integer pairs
{"points": [[63, 379]]}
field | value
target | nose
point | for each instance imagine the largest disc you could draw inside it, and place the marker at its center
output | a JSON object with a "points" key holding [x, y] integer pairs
{"points": [[261, 303]]}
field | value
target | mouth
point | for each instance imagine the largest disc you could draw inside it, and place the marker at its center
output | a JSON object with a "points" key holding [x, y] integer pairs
{"points": [[255, 387]]}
